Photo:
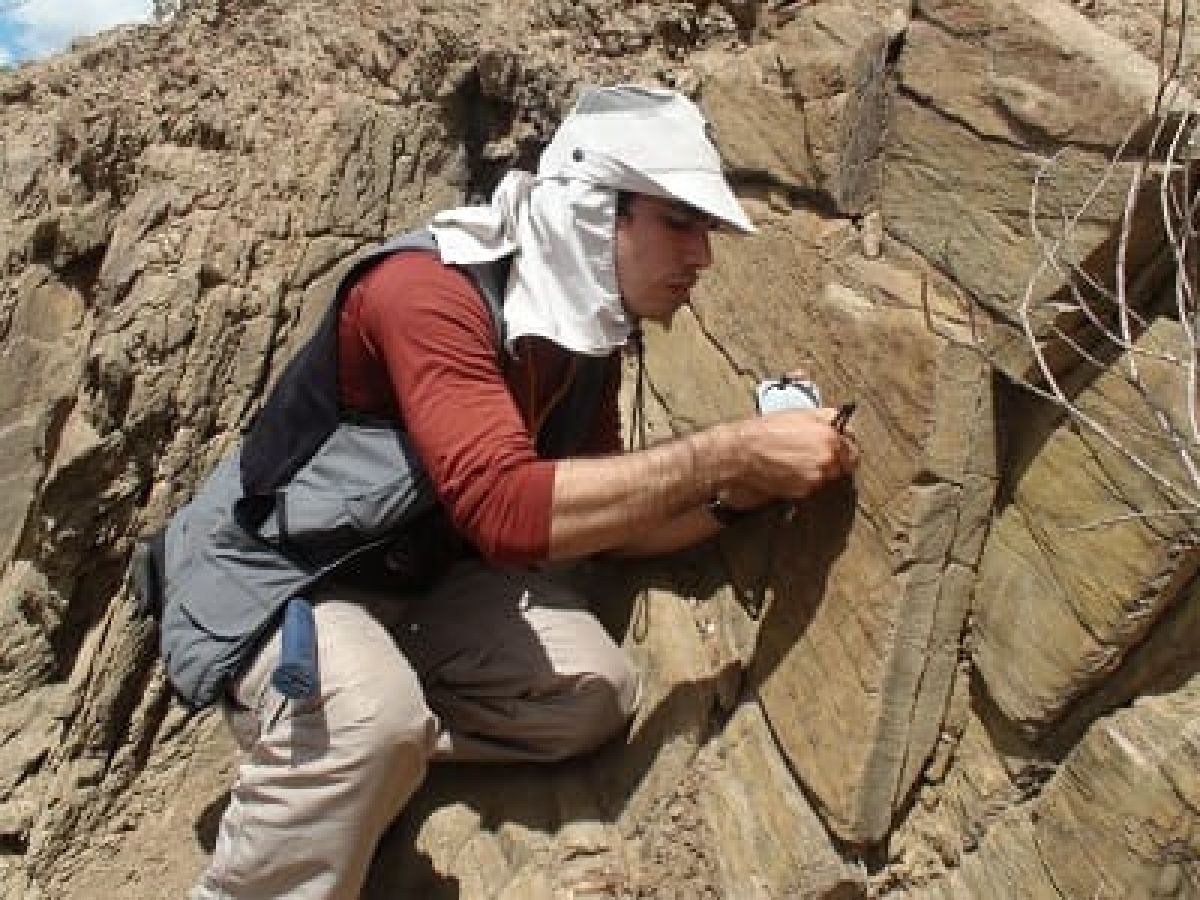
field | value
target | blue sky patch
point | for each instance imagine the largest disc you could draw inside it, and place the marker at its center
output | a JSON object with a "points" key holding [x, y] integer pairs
{"points": [[38, 28]]}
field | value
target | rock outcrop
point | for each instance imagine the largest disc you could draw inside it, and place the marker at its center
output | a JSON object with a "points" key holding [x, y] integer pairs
{"points": [[970, 673]]}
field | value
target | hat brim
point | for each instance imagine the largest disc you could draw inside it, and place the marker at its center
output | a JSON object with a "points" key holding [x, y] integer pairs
{"points": [[708, 192]]}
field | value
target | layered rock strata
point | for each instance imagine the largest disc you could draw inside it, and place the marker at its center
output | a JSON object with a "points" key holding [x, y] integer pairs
{"points": [[969, 673]]}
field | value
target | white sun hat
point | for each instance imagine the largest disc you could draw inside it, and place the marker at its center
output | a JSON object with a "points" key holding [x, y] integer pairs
{"points": [[648, 141], [558, 225]]}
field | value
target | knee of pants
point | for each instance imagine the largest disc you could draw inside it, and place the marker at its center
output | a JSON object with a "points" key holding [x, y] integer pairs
{"points": [[595, 707]]}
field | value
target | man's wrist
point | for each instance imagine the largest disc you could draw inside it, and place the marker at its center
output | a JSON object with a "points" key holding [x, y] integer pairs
{"points": [[720, 449]]}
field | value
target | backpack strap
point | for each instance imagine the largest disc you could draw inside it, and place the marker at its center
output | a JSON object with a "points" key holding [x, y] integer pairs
{"points": [[572, 420]]}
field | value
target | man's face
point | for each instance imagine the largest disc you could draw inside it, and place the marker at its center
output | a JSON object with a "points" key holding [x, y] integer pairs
{"points": [[661, 248]]}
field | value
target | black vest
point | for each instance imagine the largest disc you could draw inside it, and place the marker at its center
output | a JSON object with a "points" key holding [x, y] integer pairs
{"points": [[304, 410], [313, 490]]}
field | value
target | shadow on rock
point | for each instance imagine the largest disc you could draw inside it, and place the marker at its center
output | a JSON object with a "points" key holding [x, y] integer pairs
{"points": [[409, 873], [801, 554], [209, 822]]}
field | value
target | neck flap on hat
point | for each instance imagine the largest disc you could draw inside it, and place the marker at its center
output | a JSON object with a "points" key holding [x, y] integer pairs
{"points": [[563, 281]]}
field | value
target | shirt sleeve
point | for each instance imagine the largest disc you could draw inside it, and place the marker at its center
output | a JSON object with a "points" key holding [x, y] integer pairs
{"points": [[434, 338]]}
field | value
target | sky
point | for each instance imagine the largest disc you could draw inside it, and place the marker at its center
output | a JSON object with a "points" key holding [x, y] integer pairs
{"points": [[37, 28]]}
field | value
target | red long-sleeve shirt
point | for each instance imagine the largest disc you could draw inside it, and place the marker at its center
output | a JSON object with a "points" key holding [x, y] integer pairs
{"points": [[416, 342]]}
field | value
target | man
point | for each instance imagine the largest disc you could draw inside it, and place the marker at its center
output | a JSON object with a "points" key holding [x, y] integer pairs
{"points": [[466, 378]]}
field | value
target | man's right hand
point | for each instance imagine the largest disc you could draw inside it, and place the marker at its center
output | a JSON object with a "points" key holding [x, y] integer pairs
{"points": [[788, 455]]}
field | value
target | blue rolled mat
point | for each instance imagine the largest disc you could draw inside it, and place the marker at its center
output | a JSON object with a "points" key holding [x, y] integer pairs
{"points": [[296, 676]]}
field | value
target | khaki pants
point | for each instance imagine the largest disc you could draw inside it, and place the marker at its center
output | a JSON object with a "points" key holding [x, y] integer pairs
{"points": [[492, 665]]}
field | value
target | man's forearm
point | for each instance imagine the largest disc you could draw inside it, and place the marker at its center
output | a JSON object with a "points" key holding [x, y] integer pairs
{"points": [[684, 530], [612, 503], [618, 502]]}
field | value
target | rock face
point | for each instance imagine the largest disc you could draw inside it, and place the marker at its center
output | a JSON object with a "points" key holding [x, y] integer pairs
{"points": [[972, 673]]}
